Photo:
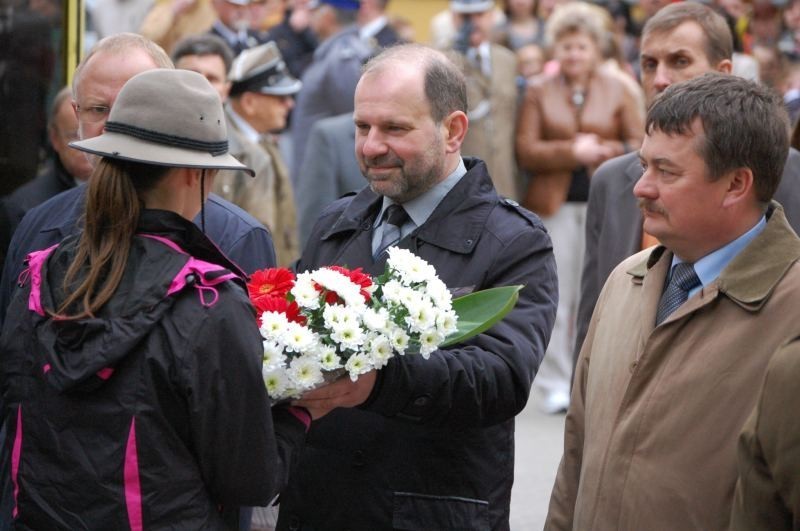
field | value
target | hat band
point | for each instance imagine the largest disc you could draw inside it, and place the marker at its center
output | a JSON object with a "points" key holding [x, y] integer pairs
{"points": [[214, 148]]}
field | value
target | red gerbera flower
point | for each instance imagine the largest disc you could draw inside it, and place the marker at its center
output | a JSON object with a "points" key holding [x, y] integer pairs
{"points": [[273, 282]]}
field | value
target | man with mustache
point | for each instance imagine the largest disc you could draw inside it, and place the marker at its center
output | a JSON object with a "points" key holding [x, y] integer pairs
{"points": [[681, 41], [683, 331], [431, 445]]}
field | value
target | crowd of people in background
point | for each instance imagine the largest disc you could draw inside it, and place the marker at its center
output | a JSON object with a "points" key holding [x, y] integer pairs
{"points": [[553, 93], [565, 120]]}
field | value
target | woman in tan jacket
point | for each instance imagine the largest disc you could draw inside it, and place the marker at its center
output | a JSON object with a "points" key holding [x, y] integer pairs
{"points": [[571, 121]]}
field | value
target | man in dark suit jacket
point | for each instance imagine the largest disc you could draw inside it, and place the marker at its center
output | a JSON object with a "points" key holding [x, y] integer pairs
{"points": [[675, 47]]}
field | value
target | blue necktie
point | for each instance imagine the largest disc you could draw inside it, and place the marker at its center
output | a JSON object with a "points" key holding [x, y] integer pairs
{"points": [[683, 280]]}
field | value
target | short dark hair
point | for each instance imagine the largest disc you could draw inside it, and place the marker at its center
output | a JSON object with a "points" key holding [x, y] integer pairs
{"points": [[445, 84], [204, 44], [745, 125], [718, 37]]}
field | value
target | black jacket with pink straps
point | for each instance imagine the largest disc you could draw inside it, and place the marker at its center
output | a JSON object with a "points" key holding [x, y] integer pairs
{"points": [[151, 415]]}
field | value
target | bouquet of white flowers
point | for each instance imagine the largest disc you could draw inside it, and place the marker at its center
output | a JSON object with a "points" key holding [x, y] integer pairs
{"points": [[321, 324]]}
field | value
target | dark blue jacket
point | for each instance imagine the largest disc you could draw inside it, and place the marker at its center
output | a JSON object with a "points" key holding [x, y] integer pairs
{"points": [[238, 235], [433, 446]]}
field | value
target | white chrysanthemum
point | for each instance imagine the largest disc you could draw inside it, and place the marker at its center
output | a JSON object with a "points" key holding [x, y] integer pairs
{"points": [[380, 350], [421, 316], [411, 268], [447, 322], [439, 294], [277, 382], [399, 339], [305, 372], [409, 297], [273, 325], [348, 335], [376, 320], [348, 291], [273, 356], [298, 338], [328, 358], [392, 291], [428, 342], [358, 364], [305, 292], [336, 315]]}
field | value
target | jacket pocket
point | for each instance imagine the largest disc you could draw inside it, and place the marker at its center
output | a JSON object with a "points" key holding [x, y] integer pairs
{"points": [[424, 512]]}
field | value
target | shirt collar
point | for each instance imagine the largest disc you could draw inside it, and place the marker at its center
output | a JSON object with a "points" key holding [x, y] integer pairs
{"points": [[370, 29], [246, 129], [710, 267]]}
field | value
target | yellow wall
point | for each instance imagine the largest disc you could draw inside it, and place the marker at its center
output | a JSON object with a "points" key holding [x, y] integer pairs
{"points": [[419, 12]]}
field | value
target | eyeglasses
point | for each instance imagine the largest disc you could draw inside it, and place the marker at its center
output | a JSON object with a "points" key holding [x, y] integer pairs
{"points": [[94, 113]]}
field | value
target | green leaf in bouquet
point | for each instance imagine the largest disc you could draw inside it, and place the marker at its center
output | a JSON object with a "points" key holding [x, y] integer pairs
{"points": [[479, 311]]}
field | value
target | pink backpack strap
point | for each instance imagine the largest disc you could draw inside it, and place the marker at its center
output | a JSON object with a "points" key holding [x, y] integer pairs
{"points": [[36, 260], [200, 274]]}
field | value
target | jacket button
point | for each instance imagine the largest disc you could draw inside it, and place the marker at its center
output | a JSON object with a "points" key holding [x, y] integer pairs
{"points": [[358, 459], [421, 401], [294, 524], [366, 225]]}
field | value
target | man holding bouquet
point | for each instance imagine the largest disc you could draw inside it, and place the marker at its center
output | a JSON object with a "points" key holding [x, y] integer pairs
{"points": [[431, 443]]}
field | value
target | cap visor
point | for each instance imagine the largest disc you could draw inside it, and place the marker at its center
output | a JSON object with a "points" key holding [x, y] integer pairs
{"points": [[285, 87], [124, 147]]}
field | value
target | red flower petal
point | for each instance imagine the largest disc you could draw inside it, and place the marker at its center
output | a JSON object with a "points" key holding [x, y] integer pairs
{"points": [[273, 282]]}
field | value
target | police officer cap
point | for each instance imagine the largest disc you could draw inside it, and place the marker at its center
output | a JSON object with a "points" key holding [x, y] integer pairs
{"points": [[262, 69], [341, 4], [471, 6]]}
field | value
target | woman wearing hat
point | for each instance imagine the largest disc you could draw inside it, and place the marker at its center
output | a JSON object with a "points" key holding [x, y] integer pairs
{"points": [[130, 358]]}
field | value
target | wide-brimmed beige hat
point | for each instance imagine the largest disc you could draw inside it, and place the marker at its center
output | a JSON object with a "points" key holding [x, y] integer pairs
{"points": [[168, 118]]}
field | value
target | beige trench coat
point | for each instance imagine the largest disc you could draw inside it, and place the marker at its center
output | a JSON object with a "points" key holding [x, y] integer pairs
{"points": [[768, 492], [650, 436]]}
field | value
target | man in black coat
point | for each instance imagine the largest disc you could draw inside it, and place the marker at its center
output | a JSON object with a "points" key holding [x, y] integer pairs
{"points": [[431, 443]]}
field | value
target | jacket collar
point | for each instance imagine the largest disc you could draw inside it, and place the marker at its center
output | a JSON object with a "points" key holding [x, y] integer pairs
{"points": [[472, 199], [750, 277], [187, 235]]}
